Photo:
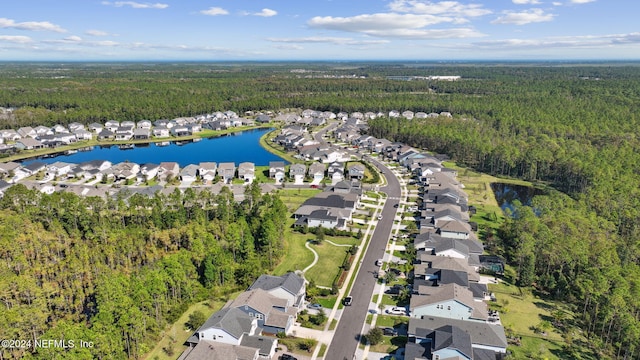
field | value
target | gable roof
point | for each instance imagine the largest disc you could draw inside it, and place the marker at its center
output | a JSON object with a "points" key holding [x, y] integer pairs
{"points": [[259, 300], [213, 350], [481, 333], [452, 337], [231, 320], [290, 282]]}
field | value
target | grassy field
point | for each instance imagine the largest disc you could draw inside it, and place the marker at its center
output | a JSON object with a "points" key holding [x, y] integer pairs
{"points": [[174, 336], [293, 198], [521, 313], [330, 258], [296, 257]]}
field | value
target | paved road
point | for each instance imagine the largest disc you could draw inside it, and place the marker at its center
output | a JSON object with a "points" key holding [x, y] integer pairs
{"points": [[347, 334]]}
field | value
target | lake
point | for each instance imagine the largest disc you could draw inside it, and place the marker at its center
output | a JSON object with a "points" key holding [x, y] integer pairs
{"points": [[237, 147], [507, 194]]}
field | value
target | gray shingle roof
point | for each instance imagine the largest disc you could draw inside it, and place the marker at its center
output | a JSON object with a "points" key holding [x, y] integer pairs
{"points": [[231, 320], [481, 333], [291, 282]]}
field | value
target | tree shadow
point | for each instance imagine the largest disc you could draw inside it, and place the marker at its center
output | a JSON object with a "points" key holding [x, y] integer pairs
{"points": [[544, 305]]}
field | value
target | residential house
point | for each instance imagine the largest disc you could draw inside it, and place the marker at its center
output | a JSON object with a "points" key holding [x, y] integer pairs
{"points": [[74, 126], [59, 168], [124, 133], [33, 168], [262, 118], [449, 301], [161, 132], [112, 125], [43, 130], [180, 130], [276, 171], [27, 131], [28, 143], [484, 336], [297, 172], [144, 124], [168, 170], [189, 173], [106, 134], [194, 128], [289, 286], [316, 172], [356, 171], [212, 350], [149, 171], [454, 229], [207, 171], [445, 342], [125, 170], [95, 128], [128, 123], [58, 129], [227, 326], [141, 133], [326, 218], [10, 135], [274, 314], [247, 172], [82, 134], [408, 114], [227, 171]]}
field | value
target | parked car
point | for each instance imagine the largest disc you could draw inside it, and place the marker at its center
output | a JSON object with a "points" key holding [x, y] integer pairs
{"points": [[373, 311], [379, 217], [396, 310], [389, 331], [348, 300], [379, 262], [287, 357], [314, 186], [314, 306]]}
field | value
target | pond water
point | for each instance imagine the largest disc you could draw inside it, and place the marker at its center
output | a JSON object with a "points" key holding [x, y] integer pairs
{"points": [[507, 194], [237, 147]]}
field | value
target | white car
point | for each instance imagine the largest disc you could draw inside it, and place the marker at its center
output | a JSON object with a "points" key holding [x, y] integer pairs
{"points": [[379, 217], [396, 310]]}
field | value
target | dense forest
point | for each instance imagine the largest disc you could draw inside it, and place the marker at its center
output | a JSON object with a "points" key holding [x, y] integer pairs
{"points": [[115, 272], [572, 126]]}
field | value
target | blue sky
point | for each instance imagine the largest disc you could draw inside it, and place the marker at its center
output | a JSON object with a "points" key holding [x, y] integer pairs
{"points": [[320, 30]]}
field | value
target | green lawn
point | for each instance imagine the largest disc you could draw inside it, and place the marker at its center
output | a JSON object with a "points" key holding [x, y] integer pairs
{"points": [[293, 198], [330, 258], [296, 255], [176, 335], [521, 312], [391, 321]]}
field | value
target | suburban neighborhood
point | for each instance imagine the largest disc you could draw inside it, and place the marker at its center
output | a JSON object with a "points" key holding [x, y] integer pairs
{"points": [[431, 279]]}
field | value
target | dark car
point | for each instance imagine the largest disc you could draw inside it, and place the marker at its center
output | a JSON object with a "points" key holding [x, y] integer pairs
{"points": [[389, 331], [287, 357], [348, 300]]}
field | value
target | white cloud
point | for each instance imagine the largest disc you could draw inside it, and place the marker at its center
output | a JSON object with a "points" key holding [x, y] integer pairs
{"points": [[526, 2], [30, 25], [96, 33], [449, 8], [376, 22], [73, 38], [556, 3], [523, 17], [393, 25], [18, 39], [266, 13], [327, 39], [214, 11], [136, 5], [581, 1], [586, 41]]}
